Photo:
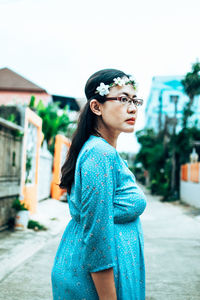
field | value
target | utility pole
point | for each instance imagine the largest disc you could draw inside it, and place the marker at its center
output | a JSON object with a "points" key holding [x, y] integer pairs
{"points": [[160, 112], [173, 174]]}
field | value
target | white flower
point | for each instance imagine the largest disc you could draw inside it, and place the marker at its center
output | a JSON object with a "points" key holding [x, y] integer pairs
{"points": [[103, 89], [131, 78], [123, 81], [119, 81], [126, 79]]}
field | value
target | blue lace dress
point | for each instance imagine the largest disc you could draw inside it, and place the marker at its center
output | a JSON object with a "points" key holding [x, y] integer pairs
{"points": [[105, 230]]}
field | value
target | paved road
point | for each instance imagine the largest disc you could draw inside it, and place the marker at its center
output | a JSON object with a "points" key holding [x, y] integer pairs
{"points": [[172, 254], [172, 251], [31, 281]]}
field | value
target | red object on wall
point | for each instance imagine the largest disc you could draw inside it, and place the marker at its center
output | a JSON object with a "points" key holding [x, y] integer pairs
{"points": [[184, 172], [194, 172]]}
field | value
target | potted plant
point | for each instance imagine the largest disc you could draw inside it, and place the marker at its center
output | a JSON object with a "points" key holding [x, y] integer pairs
{"points": [[22, 215]]}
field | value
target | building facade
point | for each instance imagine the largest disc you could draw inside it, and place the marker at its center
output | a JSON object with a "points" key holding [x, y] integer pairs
{"points": [[166, 102]]}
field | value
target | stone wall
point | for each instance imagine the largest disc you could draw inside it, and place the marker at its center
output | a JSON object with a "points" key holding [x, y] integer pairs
{"points": [[6, 211], [10, 167]]}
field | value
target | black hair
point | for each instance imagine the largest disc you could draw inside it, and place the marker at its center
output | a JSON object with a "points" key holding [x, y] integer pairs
{"points": [[87, 123]]}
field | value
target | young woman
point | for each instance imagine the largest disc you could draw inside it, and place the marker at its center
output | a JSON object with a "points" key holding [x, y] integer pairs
{"points": [[101, 254]]}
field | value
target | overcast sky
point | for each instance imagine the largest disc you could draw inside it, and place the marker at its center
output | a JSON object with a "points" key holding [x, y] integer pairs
{"points": [[58, 44]]}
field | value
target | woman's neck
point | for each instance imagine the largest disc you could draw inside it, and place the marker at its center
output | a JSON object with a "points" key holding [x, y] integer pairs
{"points": [[110, 137]]}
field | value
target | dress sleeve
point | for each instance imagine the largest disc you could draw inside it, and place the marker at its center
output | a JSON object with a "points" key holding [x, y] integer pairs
{"points": [[97, 215]]}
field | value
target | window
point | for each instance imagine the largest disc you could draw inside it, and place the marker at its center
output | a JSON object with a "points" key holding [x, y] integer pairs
{"points": [[173, 98]]}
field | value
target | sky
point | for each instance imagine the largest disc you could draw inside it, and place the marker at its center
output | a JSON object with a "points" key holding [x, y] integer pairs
{"points": [[58, 44]]}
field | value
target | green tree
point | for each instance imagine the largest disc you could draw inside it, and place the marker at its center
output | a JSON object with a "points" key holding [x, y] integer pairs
{"points": [[191, 85], [32, 102], [162, 152], [55, 121], [154, 156]]}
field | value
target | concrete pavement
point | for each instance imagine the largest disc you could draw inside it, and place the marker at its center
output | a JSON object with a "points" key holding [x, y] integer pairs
{"points": [[17, 246], [172, 256], [172, 251], [32, 280]]}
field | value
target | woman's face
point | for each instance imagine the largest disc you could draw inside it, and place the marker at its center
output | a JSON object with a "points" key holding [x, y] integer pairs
{"points": [[115, 115]]}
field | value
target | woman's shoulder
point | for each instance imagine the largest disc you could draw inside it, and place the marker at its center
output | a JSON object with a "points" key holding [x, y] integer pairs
{"points": [[97, 147]]}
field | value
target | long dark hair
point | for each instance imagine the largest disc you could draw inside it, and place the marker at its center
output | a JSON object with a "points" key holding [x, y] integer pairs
{"points": [[87, 123]]}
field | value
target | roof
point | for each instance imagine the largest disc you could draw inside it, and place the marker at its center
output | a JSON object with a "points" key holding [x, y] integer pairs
{"points": [[167, 78], [167, 82], [71, 102], [11, 81]]}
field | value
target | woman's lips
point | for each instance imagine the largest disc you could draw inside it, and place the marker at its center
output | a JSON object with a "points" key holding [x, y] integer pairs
{"points": [[131, 121]]}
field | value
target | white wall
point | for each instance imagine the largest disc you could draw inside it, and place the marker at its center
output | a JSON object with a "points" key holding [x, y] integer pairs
{"points": [[190, 193], [44, 173]]}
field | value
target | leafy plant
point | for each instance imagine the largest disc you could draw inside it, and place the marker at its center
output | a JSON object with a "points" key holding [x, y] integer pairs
{"points": [[11, 118], [18, 134], [32, 102], [18, 205], [28, 166], [36, 225], [54, 122]]}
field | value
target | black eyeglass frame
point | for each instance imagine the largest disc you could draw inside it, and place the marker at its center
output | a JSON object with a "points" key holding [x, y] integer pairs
{"points": [[119, 98]]}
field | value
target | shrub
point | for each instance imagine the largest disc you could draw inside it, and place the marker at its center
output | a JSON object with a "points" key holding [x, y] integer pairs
{"points": [[36, 225], [18, 205]]}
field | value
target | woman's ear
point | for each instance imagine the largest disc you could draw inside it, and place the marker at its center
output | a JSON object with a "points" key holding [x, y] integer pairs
{"points": [[95, 107]]}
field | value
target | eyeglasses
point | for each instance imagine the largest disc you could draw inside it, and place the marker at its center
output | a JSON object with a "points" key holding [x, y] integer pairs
{"points": [[125, 100]]}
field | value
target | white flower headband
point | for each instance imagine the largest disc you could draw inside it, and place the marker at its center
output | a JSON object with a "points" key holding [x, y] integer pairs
{"points": [[103, 89]]}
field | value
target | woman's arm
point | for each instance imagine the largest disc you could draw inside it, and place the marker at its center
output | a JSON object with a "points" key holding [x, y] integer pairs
{"points": [[98, 178], [105, 284]]}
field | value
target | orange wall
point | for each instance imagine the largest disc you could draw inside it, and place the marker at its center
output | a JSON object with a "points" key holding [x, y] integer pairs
{"points": [[184, 172], [29, 191], [194, 172], [190, 172], [60, 141]]}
